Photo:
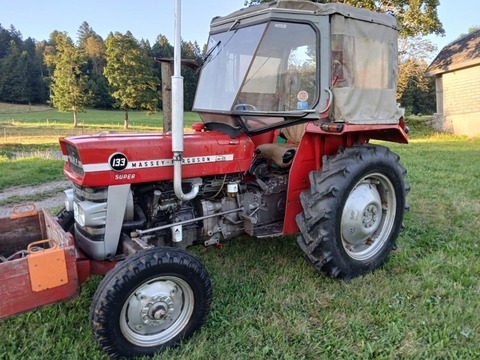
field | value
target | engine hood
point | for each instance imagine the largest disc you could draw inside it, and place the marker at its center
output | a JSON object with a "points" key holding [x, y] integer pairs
{"points": [[114, 159]]}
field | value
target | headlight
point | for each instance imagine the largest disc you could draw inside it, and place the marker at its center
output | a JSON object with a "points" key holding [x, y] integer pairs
{"points": [[88, 213], [79, 214], [69, 200]]}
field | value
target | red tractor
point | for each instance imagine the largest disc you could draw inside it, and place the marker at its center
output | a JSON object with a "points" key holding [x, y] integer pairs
{"points": [[290, 95]]}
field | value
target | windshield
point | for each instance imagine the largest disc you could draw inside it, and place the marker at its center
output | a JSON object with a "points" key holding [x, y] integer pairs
{"points": [[225, 67], [269, 67]]}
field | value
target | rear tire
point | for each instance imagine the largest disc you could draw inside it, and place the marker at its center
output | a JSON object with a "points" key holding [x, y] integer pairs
{"points": [[149, 302], [353, 212]]}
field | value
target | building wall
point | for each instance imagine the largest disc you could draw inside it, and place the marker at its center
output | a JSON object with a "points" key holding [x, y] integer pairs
{"points": [[458, 101]]}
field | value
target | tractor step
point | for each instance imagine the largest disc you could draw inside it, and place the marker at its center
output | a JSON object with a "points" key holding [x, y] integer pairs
{"points": [[270, 230]]}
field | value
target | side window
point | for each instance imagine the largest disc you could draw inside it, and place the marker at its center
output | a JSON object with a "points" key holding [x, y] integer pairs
{"points": [[302, 77]]}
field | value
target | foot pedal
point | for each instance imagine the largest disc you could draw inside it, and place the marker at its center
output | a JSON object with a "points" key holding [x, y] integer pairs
{"points": [[267, 231]]}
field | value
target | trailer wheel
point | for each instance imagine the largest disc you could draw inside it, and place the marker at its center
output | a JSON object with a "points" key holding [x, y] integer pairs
{"points": [[149, 302], [353, 212]]}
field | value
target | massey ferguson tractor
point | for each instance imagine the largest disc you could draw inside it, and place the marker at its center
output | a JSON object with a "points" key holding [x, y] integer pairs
{"points": [[290, 95]]}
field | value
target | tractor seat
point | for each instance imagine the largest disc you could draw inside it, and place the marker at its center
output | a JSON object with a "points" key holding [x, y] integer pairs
{"points": [[279, 154], [282, 154]]}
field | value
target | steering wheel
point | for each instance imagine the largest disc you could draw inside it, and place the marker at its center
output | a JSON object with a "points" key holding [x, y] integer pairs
{"points": [[249, 107], [244, 107]]}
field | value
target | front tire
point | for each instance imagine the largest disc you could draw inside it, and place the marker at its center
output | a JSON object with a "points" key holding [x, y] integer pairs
{"points": [[149, 302], [353, 211]]}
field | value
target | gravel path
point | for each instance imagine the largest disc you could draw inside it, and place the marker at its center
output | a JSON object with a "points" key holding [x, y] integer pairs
{"points": [[51, 201]]}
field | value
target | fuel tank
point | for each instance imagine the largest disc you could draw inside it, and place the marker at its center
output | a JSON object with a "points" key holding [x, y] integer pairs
{"points": [[114, 159]]}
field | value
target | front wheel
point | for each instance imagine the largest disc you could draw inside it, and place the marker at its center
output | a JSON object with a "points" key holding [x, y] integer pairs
{"points": [[353, 211], [150, 301]]}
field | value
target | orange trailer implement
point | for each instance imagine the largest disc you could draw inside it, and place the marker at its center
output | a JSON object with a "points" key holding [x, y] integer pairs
{"points": [[37, 262]]}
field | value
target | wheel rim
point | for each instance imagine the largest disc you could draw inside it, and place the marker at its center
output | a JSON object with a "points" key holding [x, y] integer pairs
{"points": [[368, 217], [157, 311]]}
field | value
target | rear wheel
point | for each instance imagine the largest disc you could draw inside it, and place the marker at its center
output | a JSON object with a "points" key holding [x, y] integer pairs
{"points": [[149, 302], [353, 211]]}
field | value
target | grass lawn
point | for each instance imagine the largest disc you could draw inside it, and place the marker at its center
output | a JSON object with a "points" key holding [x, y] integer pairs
{"points": [[28, 135], [270, 304], [41, 127]]}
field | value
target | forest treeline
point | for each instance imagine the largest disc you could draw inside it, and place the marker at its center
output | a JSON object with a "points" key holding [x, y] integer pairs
{"points": [[42, 72], [27, 66]]}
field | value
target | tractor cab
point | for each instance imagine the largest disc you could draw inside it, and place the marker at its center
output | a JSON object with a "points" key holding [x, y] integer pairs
{"points": [[257, 75], [289, 62]]}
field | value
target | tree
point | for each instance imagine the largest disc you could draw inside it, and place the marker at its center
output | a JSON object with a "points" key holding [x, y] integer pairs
{"points": [[69, 84], [413, 54], [130, 74], [419, 100], [190, 76], [417, 17], [470, 30], [84, 32], [161, 49], [33, 72], [415, 91], [6, 36], [20, 69], [93, 46], [10, 87]]}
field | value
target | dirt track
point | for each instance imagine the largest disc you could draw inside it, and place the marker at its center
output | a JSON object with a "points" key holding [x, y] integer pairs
{"points": [[53, 200]]}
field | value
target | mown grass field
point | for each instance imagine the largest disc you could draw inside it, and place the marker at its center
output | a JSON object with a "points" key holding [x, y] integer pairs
{"points": [[270, 304], [28, 135], [41, 127]]}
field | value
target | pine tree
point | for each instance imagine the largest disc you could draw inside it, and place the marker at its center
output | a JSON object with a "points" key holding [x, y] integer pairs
{"points": [[93, 47], [161, 49], [190, 76], [130, 74], [69, 85]]}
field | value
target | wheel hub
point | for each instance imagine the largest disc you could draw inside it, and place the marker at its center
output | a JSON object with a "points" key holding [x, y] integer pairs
{"points": [[361, 215], [370, 216], [157, 309], [154, 307]]}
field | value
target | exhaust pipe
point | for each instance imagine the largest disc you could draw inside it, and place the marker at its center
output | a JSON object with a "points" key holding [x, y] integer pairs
{"points": [[177, 112]]}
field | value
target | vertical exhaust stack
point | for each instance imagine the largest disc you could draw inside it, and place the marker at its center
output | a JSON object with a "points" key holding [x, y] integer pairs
{"points": [[177, 111]]}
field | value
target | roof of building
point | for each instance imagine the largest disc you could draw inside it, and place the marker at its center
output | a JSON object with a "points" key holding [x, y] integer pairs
{"points": [[459, 54]]}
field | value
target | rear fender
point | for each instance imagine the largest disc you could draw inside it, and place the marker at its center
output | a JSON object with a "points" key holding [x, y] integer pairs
{"points": [[317, 142]]}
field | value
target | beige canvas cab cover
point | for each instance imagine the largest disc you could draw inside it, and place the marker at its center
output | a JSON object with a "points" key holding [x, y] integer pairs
{"points": [[363, 57]]}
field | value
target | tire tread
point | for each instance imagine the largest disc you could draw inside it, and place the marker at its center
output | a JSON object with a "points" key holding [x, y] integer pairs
{"points": [[316, 222]]}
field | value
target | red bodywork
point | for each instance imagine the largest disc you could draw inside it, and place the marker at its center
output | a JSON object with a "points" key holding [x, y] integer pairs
{"points": [[215, 147], [317, 143], [149, 157], [214, 153]]}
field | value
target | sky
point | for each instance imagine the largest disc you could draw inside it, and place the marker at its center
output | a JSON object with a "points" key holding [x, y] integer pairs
{"points": [[144, 18], [148, 18], [457, 16]]}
